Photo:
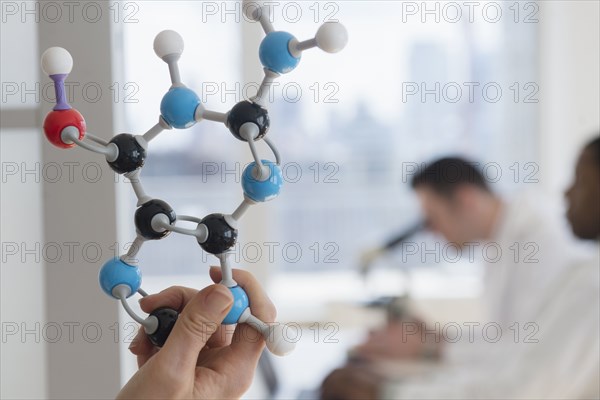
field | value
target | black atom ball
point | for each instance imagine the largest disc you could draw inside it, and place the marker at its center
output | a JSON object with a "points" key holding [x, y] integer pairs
{"points": [[166, 321], [147, 211], [131, 154], [246, 111], [221, 236]]}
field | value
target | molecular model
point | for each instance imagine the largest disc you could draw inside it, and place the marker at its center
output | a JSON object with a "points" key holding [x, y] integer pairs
{"points": [[180, 108]]}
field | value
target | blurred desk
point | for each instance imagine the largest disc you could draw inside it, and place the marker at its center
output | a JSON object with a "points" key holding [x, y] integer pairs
{"points": [[328, 306], [324, 344]]}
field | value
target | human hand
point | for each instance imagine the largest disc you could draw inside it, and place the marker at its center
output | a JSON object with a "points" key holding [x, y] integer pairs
{"points": [[400, 340], [201, 358], [351, 382]]}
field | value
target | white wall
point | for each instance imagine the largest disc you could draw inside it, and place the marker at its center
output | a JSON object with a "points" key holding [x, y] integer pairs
{"points": [[23, 358], [22, 283], [569, 85]]}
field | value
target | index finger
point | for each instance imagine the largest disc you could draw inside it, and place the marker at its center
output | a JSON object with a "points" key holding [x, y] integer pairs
{"points": [[247, 342], [175, 297], [260, 304]]}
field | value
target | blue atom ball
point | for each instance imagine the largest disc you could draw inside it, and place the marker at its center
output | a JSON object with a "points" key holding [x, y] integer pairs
{"points": [[266, 190], [274, 52], [178, 107], [115, 272], [240, 303]]}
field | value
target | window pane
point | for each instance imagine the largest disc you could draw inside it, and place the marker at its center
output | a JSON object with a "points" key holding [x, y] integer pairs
{"points": [[179, 162], [403, 92]]}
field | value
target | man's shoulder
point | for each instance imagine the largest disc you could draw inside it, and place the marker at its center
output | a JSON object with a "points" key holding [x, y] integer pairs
{"points": [[532, 214], [588, 270], [583, 278]]}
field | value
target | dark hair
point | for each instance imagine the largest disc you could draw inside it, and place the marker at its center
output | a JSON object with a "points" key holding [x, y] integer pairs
{"points": [[594, 146], [446, 175]]}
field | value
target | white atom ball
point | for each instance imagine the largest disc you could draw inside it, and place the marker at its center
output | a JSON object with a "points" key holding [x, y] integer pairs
{"points": [[57, 60], [278, 342], [252, 9], [168, 42], [332, 37]]}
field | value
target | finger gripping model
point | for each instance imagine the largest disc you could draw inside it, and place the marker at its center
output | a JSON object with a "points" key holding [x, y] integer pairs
{"points": [[180, 108]]}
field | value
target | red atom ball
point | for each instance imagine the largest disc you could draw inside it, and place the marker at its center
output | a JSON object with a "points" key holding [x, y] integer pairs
{"points": [[58, 120]]}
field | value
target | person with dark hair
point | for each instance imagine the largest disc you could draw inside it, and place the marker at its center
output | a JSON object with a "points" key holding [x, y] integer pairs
{"points": [[563, 359], [514, 238], [445, 177], [457, 201], [584, 194], [448, 174]]}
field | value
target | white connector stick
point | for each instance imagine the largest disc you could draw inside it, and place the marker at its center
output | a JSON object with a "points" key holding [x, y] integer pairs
{"points": [[250, 131], [150, 324], [96, 139], [136, 184], [131, 256], [71, 135], [331, 37], [273, 149], [171, 61], [265, 13], [242, 208], [226, 270], [161, 223], [275, 335], [296, 48], [262, 95], [155, 131], [202, 113]]}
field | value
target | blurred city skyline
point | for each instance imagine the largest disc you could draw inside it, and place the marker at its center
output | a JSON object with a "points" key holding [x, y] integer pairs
{"points": [[451, 89]]}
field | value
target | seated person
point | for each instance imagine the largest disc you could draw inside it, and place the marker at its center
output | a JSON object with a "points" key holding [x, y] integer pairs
{"points": [[562, 361], [458, 203]]}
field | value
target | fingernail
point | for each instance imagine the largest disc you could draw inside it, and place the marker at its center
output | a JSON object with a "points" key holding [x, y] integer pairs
{"points": [[145, 298], [134, 343], [218, 299]]}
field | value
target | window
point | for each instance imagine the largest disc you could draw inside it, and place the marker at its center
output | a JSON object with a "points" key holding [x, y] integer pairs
{"points": [[412, 84]]}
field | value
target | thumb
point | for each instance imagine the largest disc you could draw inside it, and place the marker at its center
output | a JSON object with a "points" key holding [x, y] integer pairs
{"points": [[199, 320]]}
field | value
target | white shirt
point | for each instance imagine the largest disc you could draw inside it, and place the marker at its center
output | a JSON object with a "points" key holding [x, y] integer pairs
{"points": [[563, 364], [536, 247]]}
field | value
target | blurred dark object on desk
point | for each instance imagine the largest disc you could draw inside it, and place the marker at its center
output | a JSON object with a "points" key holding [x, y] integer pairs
{"points": [[368, 258]]}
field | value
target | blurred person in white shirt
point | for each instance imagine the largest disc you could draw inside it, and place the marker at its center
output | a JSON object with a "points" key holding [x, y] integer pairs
{"points": [[519, 236], [563, 362]]}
